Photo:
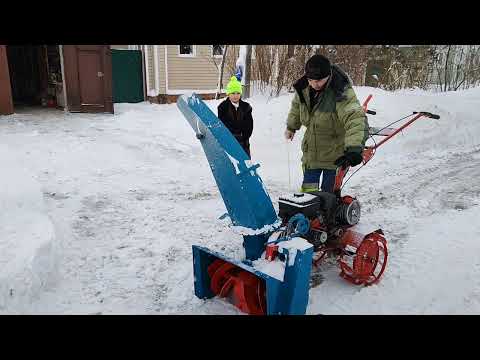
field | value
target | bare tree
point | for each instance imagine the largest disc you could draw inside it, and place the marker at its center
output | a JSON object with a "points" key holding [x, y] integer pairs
{"points": [[457, 83], [284, 57], [449, 47], [220, 74], [472, 66], [248, 62], [351, 58], [276, 67], [451, 67], [263, 67], [456, 67]]}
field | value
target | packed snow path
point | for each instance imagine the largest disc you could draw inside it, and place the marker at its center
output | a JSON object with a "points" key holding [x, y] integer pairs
{"points": [[129, 194]]}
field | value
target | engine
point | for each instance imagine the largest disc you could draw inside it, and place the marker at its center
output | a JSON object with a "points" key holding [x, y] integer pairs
{"points": [[328, 214]]}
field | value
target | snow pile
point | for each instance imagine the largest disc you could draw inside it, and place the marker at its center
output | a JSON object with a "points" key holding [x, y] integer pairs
{"points": [[26, 236], [153, 92], [275, 268], [454, 129], [294, 245], [242, 230]]}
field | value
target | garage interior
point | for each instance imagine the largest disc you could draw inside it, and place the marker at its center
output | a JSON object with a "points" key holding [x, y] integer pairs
{"points": [[35, 76]]}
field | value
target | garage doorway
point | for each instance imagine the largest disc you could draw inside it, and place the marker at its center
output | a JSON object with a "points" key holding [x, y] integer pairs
{"points": [[35, 76]]}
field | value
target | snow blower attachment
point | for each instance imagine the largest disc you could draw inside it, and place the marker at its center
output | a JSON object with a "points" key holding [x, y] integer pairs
{"points": [[280, 250]]}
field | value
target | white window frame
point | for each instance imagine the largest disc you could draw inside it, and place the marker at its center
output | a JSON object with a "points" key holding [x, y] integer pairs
{"points": [[193, 54], [147, 71], [218, 56]]}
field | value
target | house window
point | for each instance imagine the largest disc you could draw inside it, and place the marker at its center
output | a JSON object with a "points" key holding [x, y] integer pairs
{"points": [[217, 50], [186, 50]]}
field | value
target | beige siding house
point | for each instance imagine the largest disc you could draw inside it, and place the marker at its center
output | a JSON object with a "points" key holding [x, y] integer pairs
{"points": [[172, 70]]}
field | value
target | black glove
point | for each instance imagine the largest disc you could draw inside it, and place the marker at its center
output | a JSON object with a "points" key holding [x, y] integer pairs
{"points": [[350, 158]]}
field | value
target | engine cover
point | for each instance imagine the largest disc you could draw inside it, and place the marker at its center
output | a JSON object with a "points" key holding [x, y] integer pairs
{"points": [[310, 204]]}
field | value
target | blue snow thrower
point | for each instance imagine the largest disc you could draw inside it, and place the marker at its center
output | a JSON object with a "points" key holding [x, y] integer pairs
{"points": [[273, 278]]}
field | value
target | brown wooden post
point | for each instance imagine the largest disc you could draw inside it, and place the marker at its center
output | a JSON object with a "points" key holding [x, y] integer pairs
{"points": [[6, 103]]}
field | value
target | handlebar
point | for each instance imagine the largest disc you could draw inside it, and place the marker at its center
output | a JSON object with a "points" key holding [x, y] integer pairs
{"points": [[428, 114], [365, 104]]}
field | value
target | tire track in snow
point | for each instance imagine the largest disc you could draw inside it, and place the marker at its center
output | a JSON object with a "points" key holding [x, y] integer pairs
{"points": [[431, 274], [410, 205], [449, 183]]}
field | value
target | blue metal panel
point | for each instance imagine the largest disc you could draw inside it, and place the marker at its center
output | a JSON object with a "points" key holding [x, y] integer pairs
{"points": [[201, 262], [243, 192], [297, 283]]}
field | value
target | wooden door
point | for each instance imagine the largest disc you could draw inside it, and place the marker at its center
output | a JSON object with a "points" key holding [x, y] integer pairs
{"points": [[88, 78]]}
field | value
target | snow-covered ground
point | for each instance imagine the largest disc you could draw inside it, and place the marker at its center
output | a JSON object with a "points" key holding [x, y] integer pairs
{"points": [[102, 210], [27, 254]]}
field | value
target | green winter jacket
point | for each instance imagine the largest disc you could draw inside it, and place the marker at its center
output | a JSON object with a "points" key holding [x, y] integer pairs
{"points": [[337, 123]]}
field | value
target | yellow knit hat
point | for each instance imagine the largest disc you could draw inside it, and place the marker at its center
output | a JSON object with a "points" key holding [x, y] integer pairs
{"points": [[234, 86]]}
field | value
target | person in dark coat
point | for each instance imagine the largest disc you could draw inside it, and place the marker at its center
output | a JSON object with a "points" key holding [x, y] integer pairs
{"points": [[236, 114]]}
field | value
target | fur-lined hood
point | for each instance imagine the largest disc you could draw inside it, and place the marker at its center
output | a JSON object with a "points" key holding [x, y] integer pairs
{"points": [[338, 82]]}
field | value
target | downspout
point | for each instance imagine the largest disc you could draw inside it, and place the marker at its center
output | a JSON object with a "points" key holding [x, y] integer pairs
{"points": [[62, 66], [142, 51]]}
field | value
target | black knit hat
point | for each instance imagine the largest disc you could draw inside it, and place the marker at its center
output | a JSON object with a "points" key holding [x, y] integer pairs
{"points": [[317, 67]]}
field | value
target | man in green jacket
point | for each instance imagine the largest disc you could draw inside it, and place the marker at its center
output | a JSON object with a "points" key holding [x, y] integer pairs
{"points": [[336, 125]]}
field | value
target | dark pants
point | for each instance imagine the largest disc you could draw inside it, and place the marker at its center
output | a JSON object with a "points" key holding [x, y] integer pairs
{"points": [[245, 144], [246, 147], [311, 179]]}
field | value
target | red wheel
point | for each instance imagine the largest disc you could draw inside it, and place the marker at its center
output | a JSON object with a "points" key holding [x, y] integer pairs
{"points": [[363, 260], [371, 259]]}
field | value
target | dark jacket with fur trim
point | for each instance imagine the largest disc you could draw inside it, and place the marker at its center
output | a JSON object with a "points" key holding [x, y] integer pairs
{"points": [[238, 121], [335, 124]]}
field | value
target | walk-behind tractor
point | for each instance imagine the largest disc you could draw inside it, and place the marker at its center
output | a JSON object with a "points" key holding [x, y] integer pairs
{"points": [[280, 250]]}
